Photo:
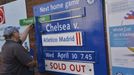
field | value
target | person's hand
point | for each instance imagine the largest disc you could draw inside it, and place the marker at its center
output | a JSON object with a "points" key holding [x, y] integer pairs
{"points": [[30, 27], [33, 63], [23, 35]]}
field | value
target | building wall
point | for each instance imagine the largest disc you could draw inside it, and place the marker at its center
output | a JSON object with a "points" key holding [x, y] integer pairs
{"points": [[29, 5], [5, 1]]}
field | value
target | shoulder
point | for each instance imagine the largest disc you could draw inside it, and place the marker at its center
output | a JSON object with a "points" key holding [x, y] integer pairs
{"points": [[12, 45]]}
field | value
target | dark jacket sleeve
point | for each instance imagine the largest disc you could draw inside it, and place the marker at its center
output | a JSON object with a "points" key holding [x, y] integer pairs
{"points": [[21, 54]]}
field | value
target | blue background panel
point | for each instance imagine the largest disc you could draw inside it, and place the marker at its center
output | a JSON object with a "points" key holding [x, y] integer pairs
{"points": [[89, 21], [122, 71]]}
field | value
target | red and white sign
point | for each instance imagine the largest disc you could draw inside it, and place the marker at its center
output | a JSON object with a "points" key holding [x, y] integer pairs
{"points": [[63, 39], [2, 15], [70, 67]]}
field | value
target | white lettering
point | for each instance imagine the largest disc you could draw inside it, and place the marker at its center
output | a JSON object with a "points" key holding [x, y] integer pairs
{"points": [[57, 27], [75, 26], [57, 6], [65, 5], [71, 3], [42, 9], [63, 55], [50, 55], [120, 29]]}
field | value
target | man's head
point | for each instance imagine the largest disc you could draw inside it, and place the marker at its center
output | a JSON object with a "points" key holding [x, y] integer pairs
{"points": [[11, 32]]}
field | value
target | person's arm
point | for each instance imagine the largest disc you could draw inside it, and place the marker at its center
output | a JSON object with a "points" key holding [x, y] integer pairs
{"points": [[25, 33], [24, 57], [32, 63]]}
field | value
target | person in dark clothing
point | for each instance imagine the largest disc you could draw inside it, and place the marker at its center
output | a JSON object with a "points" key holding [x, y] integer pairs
{"points": [[15, 59]]}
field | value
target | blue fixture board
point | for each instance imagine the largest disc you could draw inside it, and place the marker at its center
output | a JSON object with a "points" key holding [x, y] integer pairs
{"points": [[70, 37]]}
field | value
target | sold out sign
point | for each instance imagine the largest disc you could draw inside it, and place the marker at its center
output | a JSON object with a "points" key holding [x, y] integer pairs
{"points": [[69, 67], [72, 67], [2, 15]]}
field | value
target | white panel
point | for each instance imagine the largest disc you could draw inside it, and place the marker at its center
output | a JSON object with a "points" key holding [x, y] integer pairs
{"points": [[62, 39], [70, 67]]}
